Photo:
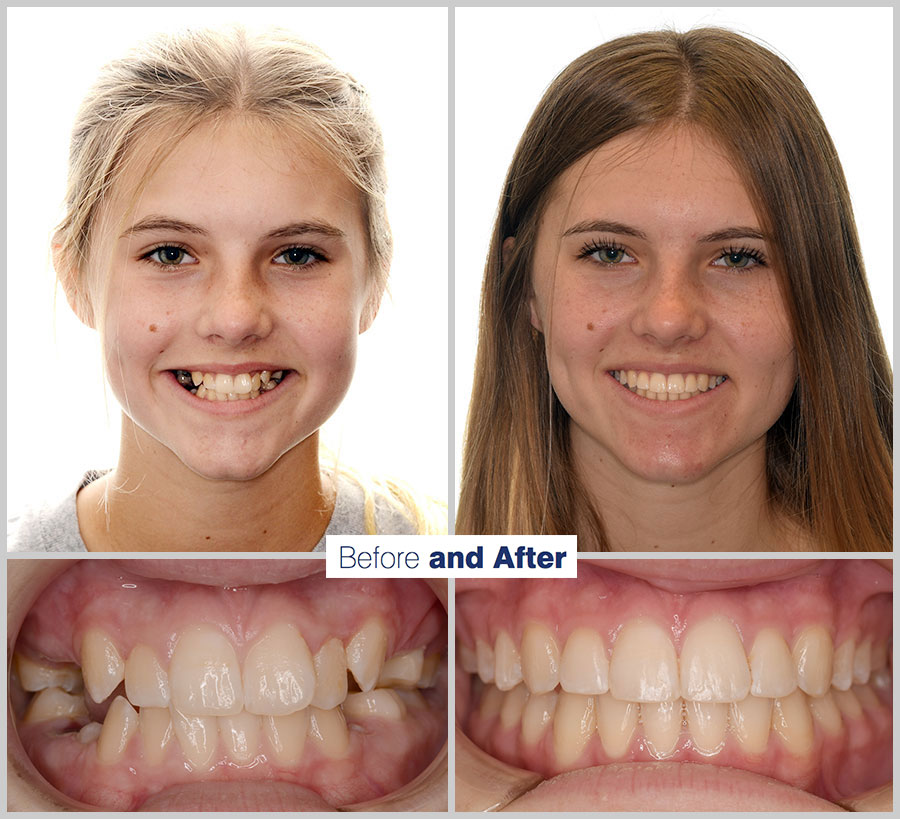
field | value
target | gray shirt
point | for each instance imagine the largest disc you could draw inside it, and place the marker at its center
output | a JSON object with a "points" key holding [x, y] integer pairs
{"points": [[55, 528]]}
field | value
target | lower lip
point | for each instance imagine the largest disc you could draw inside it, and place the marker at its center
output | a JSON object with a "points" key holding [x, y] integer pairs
{"points": [[227, 408], [236, 796], [668, 407]]}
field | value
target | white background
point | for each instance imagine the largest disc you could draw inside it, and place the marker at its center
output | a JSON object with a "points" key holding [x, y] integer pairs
{"points": [[61, 419], [506, 58]]}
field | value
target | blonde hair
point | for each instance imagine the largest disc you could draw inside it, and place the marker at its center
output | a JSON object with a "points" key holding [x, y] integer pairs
{"points": [[828, 458], [173, 83]]}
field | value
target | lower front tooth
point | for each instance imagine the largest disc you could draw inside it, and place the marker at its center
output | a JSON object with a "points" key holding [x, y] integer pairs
{"points": [[287, 736], [366, 651], [662, 726], [792, 721], [197, 737], [826, 714], [616, 724], [536, 716], [331, 674], [847, 704], [328, 732], [52, 703], [382, 703], [119, 726], [574, 725], [513, 705], [751, 719], [707, 722], [89, 733], [240, 734], [156, 733]]}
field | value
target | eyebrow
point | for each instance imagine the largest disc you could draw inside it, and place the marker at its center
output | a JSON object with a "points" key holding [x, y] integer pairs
{"points": [[152, 223], [606, 226]]}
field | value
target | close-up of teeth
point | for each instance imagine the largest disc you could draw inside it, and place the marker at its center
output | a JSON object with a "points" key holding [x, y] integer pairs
{"points": [[672, 387], [225, 387]]}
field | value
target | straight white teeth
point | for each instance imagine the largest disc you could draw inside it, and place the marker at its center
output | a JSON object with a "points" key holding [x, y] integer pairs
{"points": [[713, 664], [673, 387], [644, 667]]}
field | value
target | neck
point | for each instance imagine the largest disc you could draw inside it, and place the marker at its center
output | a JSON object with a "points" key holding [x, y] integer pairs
{"points": [[726, 510], [153, 502]]}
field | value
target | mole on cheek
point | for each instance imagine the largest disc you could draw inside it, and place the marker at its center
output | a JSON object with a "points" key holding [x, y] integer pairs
{"points": [[152, 328], [590, 325]]}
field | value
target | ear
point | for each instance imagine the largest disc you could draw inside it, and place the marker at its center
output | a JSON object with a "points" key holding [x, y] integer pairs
{"points": [[509, 245], [370, 308], [68, 273]]}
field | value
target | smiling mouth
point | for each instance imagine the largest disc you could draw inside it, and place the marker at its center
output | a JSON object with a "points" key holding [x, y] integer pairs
{"points": [[672, 387], [126, 688], [226, 387], [790, 679]]}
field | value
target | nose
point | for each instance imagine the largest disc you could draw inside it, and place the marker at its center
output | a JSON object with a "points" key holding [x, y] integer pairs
{"points": [[237, 308], [671, 309]]}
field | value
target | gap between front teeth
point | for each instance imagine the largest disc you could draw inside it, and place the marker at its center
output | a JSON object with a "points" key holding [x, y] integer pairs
{"points": [[660, 387], [225, 387]]}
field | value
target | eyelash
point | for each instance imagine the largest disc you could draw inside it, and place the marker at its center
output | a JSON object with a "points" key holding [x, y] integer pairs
{"points": [[593, 247], [315, 255]]}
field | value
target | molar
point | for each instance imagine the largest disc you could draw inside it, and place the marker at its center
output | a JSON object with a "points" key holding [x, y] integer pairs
{"points": [[331, 674], [52, 703], [402, 670], [101, 663], [287, 736], [772, 668], [146, 681], [119, 726], [507, 662], [540, 658], [157, 732], [707, 722], [793, 722], [204, 676], [279, 674], [662, 726], [197, 736], [584, 667], [381, 702], [751, 719], [616, 724], [36, 676], [814, 655], [574, 724], [713, 664], [240, 735], [644, 667], [328, 732], [366, 652]]}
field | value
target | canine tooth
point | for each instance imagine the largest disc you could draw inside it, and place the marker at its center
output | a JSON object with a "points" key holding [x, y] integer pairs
{"points": [[643, 667], [197, 736], [243, 384], [287, 736], [642, 381], [264, 377], [196, 378], [204, 675], [381, 702], [328, 732], [507, 663], [430, 666], [279, 675], [540, 658], [101, 664], [146, 681], [702, 382], [825, 712], [209, 381], [662, 726], [751, 719], [365, 653], [536, 716], [847, 704], [402, 670], [713, 664], [842, 676], [707, 722], [513, 705], [52, 703], [491, 702], [254, 383], [157, 732], [89, 733], [616, 724], [793, 722], [485, 656], [119, 726], [772, 668], [813, 655], [330, 663], [632, 378], [467, 658], [584, 667], [240, 735], [574, 724], [35, 676], [862, 662]]}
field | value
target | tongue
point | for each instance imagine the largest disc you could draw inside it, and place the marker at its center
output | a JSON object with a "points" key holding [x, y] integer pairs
{"points": [[236, 796], [669, 786]]}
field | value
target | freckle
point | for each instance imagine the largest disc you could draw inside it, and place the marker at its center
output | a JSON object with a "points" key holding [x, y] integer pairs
{"points": [[590, 325], [265, 531], [207, 537], [152, 328]]}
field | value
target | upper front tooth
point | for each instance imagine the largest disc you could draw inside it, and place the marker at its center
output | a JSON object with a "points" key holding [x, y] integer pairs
{"points": [[675, 383], [540, 658], [403, 669], [507, 662], [243, 384], [101, 664], [644, 667], [365, 653], [279, 675], [813, 654], [713, 664], [485, 657], [331, 674], [842, 676], [204, 674], [224, 382], [35, 676], [658, 382], [146, 681], [771, 666], [862, 662], [584, 667]]}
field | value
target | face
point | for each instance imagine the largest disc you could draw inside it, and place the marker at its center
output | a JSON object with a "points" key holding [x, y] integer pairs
{"points": [[242, 266], [666, 335]]}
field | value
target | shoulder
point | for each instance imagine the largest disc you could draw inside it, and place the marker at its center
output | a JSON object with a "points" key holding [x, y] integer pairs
{"points": [[52, 527]]}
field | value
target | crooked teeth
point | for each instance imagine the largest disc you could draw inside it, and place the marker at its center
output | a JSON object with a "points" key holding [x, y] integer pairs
{"points": [[101, 664], [36, 676], [204, 674], [674, 387], [157, 732], [226, 387], [366, 652], [403, 670], [146, 681], [382, 703], [119, 726], [331, 674], [279, 674], [52, 703]]}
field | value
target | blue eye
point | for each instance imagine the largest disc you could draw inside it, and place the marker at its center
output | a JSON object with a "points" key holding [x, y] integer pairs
{"points": [[299, 257], [170, 256]]}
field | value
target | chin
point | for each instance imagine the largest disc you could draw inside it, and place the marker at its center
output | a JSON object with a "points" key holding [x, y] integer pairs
{"points": [[232, 468]]}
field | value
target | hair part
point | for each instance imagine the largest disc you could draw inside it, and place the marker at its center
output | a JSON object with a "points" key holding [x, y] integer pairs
{"points": [[828, 458]]}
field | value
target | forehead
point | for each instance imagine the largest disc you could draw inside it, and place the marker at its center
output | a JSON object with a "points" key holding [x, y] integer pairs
{"points": [[654, 176]]}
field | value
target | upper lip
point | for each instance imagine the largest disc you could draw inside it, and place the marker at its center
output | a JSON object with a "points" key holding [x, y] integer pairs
{"points": [[233, 369]]}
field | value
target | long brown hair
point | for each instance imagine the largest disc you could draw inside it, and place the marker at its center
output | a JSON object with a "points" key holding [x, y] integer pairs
{"points": [[829, 454]]}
